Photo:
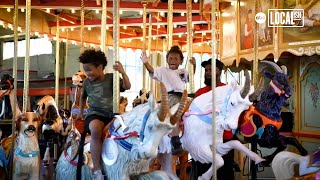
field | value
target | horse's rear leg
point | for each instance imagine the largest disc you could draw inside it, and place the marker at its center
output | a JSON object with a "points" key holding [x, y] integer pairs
{"points": [[294, 142]]}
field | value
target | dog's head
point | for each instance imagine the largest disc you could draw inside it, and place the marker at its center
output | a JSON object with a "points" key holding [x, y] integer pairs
{"points": [[28, 123]]}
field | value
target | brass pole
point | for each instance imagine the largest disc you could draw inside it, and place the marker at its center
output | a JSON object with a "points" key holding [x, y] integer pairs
{"points": [[56, 92], [27, 58], [189, 46], [116, 35], [151, 82], [103, 26], [65, 73], [213, 67], [81, 30], [170, 25], [144, 46], [255, 48]]}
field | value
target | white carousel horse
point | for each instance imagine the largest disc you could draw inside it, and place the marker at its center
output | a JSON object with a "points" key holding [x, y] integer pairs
{"points": [[231, 101], [283, 165], [125, 155]]}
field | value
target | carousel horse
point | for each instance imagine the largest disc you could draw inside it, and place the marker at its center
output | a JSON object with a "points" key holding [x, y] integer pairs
{"points": [[261, 122], [133, 139], [284, 162], [231, 101]]}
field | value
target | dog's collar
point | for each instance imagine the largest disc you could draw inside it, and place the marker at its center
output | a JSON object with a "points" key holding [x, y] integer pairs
{"points": [[19, 152]]}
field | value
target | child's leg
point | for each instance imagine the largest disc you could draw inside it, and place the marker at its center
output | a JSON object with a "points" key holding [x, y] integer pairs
{"points": [[96, 127]]}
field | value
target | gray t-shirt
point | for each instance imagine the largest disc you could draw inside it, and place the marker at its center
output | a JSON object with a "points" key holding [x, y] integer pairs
{"points": [[100, 95]]}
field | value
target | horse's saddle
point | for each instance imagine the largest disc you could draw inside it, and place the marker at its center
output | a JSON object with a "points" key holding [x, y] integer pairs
{"points": [[247, 126]]}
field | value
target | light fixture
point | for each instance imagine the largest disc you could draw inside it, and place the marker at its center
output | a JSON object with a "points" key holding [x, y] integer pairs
{"points": [[73, 11], [107, 27], [158, 25], [195, 1], [161, 13], [10, 26], [174, 26], [182, 14], [89, 28], [233, 3], [154, 38], [19, 29], [140, 12], [48, 10], [8, 9], [204, 33], [54, 38], [129, 40], [1, 23], [124, 27], [62, 29], [180, 35], [72, 29], [97, 11], [22, 9], [36, 33], [120, 12], [64, 40]]}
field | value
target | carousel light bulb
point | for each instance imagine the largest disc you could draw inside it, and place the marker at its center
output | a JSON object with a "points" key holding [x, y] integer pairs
{"points": [[129, 40], [8, 9], [107, 27], [72, 29], [19, 29], [89, 28], [195, 1], [22, 9], [62, 29], [54, 38], [141, 39], [182, 14], [140, 12], [204, 33], [154, 38], [64, 40], [36, 33], [97, 11], [120, 12], [48, 10], [233, 3], [158, 25], [180, 35], [73, 11], [124, 27], [1, 23], [174, 26], [123, 41], [161, 13]]}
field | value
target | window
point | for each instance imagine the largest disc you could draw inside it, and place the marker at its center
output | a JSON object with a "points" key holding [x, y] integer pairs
{"points": [[37, 47]]}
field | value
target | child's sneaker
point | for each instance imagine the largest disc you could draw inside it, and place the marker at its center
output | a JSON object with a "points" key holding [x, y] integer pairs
{"points": [[97, 175], [176, 147]]}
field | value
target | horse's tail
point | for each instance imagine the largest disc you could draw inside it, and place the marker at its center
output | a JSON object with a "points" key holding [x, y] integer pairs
{"points": [[283, 164]]}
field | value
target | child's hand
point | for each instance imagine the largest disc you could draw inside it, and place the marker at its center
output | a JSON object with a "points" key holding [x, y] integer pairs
{"points": [[193, 61], [118, 67], [144, 58]]}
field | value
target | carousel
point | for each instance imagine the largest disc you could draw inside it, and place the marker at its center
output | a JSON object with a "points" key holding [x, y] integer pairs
{"points": [[260, 122]]}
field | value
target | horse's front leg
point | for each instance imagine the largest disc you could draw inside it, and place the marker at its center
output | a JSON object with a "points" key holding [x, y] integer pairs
{"points": [[235, 144], [294, 142]]}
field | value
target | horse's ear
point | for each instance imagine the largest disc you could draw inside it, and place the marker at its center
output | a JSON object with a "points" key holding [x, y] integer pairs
{"points": [[268, 74], [152, 103], [43, 106]]}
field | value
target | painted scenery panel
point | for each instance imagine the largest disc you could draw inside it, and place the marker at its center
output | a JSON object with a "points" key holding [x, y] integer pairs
{"points": [[311, 29], [229, 31], [265, 33], [246, 24]]}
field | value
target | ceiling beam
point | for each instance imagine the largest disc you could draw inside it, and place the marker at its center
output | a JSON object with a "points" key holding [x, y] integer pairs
{"points": [[130, 22], [63, 16], [89, 5]]}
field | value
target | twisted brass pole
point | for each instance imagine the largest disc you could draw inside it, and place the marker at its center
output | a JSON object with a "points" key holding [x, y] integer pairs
{"points": [[144, 46], [116, 39], [56, 91], [27, 58], [170, 24], [189, 45]]}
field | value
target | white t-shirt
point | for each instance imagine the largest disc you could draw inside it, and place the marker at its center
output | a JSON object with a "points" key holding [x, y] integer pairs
{"points": [[174, 80]]}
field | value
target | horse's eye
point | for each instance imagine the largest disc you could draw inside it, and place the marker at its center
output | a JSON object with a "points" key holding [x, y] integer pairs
{"points": [[232, 104]]}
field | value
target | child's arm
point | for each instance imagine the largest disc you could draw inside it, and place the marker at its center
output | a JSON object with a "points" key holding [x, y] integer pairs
{"points": [[83, 100], [145, 60], [125, 82]]}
